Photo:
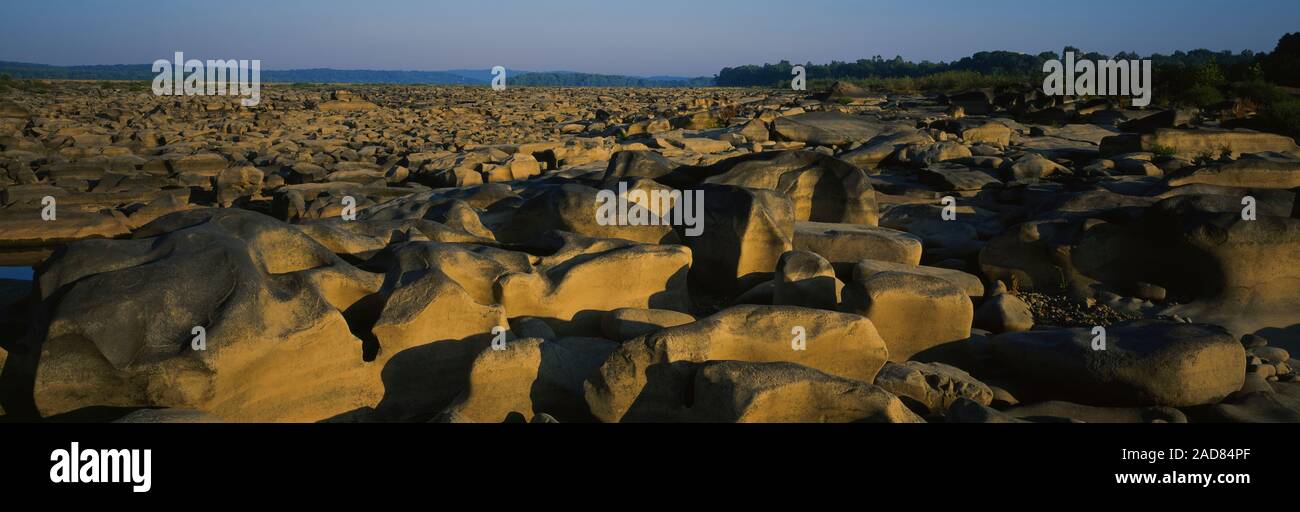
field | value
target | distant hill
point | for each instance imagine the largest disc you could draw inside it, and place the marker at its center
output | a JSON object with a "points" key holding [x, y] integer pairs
{"points": [[23, 70], [106, 72]]}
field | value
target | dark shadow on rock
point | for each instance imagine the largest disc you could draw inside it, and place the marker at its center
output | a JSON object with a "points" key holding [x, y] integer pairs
{"points": [[93, 414], [1287, 338], [419, 382], [361, 317], [358, 415], [565, 366], [668, 392], [1259, 407]]}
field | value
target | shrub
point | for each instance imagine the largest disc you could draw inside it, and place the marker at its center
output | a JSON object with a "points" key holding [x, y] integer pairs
{"points": [[1259, 92], [1200, 95], [1165, 151], [1280, 117]]}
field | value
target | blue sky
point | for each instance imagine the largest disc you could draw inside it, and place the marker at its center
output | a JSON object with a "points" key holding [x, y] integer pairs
{"points": [[644, 37]]}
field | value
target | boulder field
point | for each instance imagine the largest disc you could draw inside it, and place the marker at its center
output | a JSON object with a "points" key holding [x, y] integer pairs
{"points": [[442, 254]]}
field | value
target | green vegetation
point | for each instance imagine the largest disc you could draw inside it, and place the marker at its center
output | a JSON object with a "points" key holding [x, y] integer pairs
{"points": [[1200, 95], [1280, 117], [938, 82], [1165, 151], [1198, 78], [1283, 65]]}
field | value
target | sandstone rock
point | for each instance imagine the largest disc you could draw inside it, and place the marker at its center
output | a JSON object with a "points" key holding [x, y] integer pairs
{"points": [[1144, 363], [826, 128], [1171, 118], [968, 283], [938, 152], [26, 240], [895, 301], [575, 208], [931, 388], [805, 279], [574, 295], [1033, 166], [1193, 143], [9, 109], [529, 327], [643, 164], [955, 177], [530, 376], [745, 233], [1245, 173], [626, 323], [881, 147], [238, 182], [271, 301], [745, 392], [844, 245], [973, 131], [820, 187], [1002, 312], [447, 299], [1251, 408], [643, 378]]}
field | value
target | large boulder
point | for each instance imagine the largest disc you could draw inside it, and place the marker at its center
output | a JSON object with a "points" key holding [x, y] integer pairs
{"points": [[968, 283], [931, 388], [805, 279], [912, 312], [1240, 274], [821, 188], [942, 151], [746, 392], [26, 239], [636, 164], [1003, 312], [1244, 173], [270, 300], [440, 292], [574, 294], [844, 245], [576, 208], [950, 176], [883, 146], [645, 377], [745, 233], [1143, 363], [1194, 143], [528, 377], [238, 182], [828, 128], [973, 130]]}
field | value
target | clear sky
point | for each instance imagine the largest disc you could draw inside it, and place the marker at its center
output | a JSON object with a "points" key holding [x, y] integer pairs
{"points": [[634, 37]]}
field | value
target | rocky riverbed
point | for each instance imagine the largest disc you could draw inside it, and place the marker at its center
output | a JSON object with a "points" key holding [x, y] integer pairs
{"points": [[407, 253]]}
